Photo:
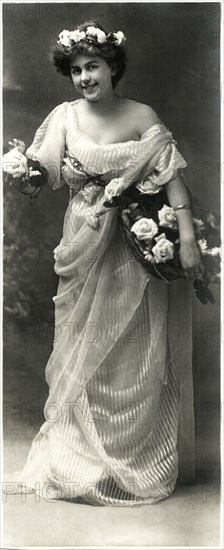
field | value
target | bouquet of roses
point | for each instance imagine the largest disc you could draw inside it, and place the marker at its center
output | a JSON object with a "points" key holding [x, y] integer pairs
{"points": [[149, 226], [27, 176]]}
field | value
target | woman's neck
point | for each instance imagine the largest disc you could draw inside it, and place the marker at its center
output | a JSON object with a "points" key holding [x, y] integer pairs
{"points": [[103, 105]]}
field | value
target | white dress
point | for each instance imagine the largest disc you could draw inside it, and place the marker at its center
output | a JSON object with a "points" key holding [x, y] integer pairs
{"points": [[119, 424]]}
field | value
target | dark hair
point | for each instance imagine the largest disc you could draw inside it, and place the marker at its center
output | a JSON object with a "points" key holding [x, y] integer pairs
{"points": [[112, 54]]}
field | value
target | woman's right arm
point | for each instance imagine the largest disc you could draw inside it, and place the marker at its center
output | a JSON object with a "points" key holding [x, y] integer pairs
{"points": [[47, 149]]}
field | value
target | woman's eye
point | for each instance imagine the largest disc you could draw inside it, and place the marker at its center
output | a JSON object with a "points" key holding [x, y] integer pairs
{"points": [[78, 71]]}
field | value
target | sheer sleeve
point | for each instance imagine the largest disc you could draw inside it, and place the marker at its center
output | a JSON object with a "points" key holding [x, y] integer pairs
{"points": [[156, 162], [168, 164], [48, 146]]}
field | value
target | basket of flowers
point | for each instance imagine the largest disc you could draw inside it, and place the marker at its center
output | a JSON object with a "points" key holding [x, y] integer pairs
{"points": [[149, 226]]}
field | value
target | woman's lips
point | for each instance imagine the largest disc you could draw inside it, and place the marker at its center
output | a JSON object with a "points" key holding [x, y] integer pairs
{"points": [[90, 87]]}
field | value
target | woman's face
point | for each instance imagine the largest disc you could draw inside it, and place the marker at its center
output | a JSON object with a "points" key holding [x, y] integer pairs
{"points": [[91, 76]]}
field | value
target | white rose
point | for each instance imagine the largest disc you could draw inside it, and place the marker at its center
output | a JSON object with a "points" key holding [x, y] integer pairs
{"points": [[77, 35], [101, 37], [114, 188], [92, 31], [163, 249], [145, 229], [119, 38], [148, 186], [14, 163], [64, 38], [167, 217]]}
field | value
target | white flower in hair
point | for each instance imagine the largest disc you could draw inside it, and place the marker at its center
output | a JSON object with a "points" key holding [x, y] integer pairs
{"points": [[77, 35], [95, 32], [92, 31], [101, 37], [64, 38], [67, 37], [120, 38]]}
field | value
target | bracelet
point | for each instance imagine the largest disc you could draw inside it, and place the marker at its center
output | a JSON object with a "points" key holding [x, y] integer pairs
{"points": [[182, 206]]}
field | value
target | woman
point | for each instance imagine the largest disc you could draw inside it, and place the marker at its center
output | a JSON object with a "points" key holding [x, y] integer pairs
{"points": [[119, 416]]}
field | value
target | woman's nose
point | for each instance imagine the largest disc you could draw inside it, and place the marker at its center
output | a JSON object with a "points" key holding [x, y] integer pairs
{"points": [[85, 77]]}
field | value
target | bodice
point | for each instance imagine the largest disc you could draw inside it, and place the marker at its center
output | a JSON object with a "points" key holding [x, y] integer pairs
{"points": [[70, 156]]}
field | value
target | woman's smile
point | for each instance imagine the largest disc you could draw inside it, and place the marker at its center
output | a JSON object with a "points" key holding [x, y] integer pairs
{"points": [[89, 87], [91, 92]]}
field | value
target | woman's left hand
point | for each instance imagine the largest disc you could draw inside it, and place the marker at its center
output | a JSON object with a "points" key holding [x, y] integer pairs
{"points": [[190, 259]]}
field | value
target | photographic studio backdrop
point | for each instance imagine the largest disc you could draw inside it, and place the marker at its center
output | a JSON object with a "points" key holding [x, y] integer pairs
{"points": [[173, 65]]}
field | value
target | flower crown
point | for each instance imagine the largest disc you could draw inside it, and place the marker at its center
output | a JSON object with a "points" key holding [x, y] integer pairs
{"points": [[92, 34]]}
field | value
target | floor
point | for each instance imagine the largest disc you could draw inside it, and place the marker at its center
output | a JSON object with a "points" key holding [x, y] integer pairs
{"points": [[185, 519]]}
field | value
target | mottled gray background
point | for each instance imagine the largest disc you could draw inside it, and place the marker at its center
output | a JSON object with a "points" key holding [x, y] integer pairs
{"points": [[173, 65]]}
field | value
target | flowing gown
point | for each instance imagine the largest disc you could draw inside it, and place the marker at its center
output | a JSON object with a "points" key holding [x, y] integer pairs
{"points": [[119, 420]]}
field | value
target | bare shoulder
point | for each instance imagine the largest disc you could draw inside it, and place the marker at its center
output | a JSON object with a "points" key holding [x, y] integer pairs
{"points": [[143, 115]]}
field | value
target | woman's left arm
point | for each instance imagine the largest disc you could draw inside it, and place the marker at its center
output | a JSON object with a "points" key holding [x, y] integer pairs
{"points": [[189, 252]]}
